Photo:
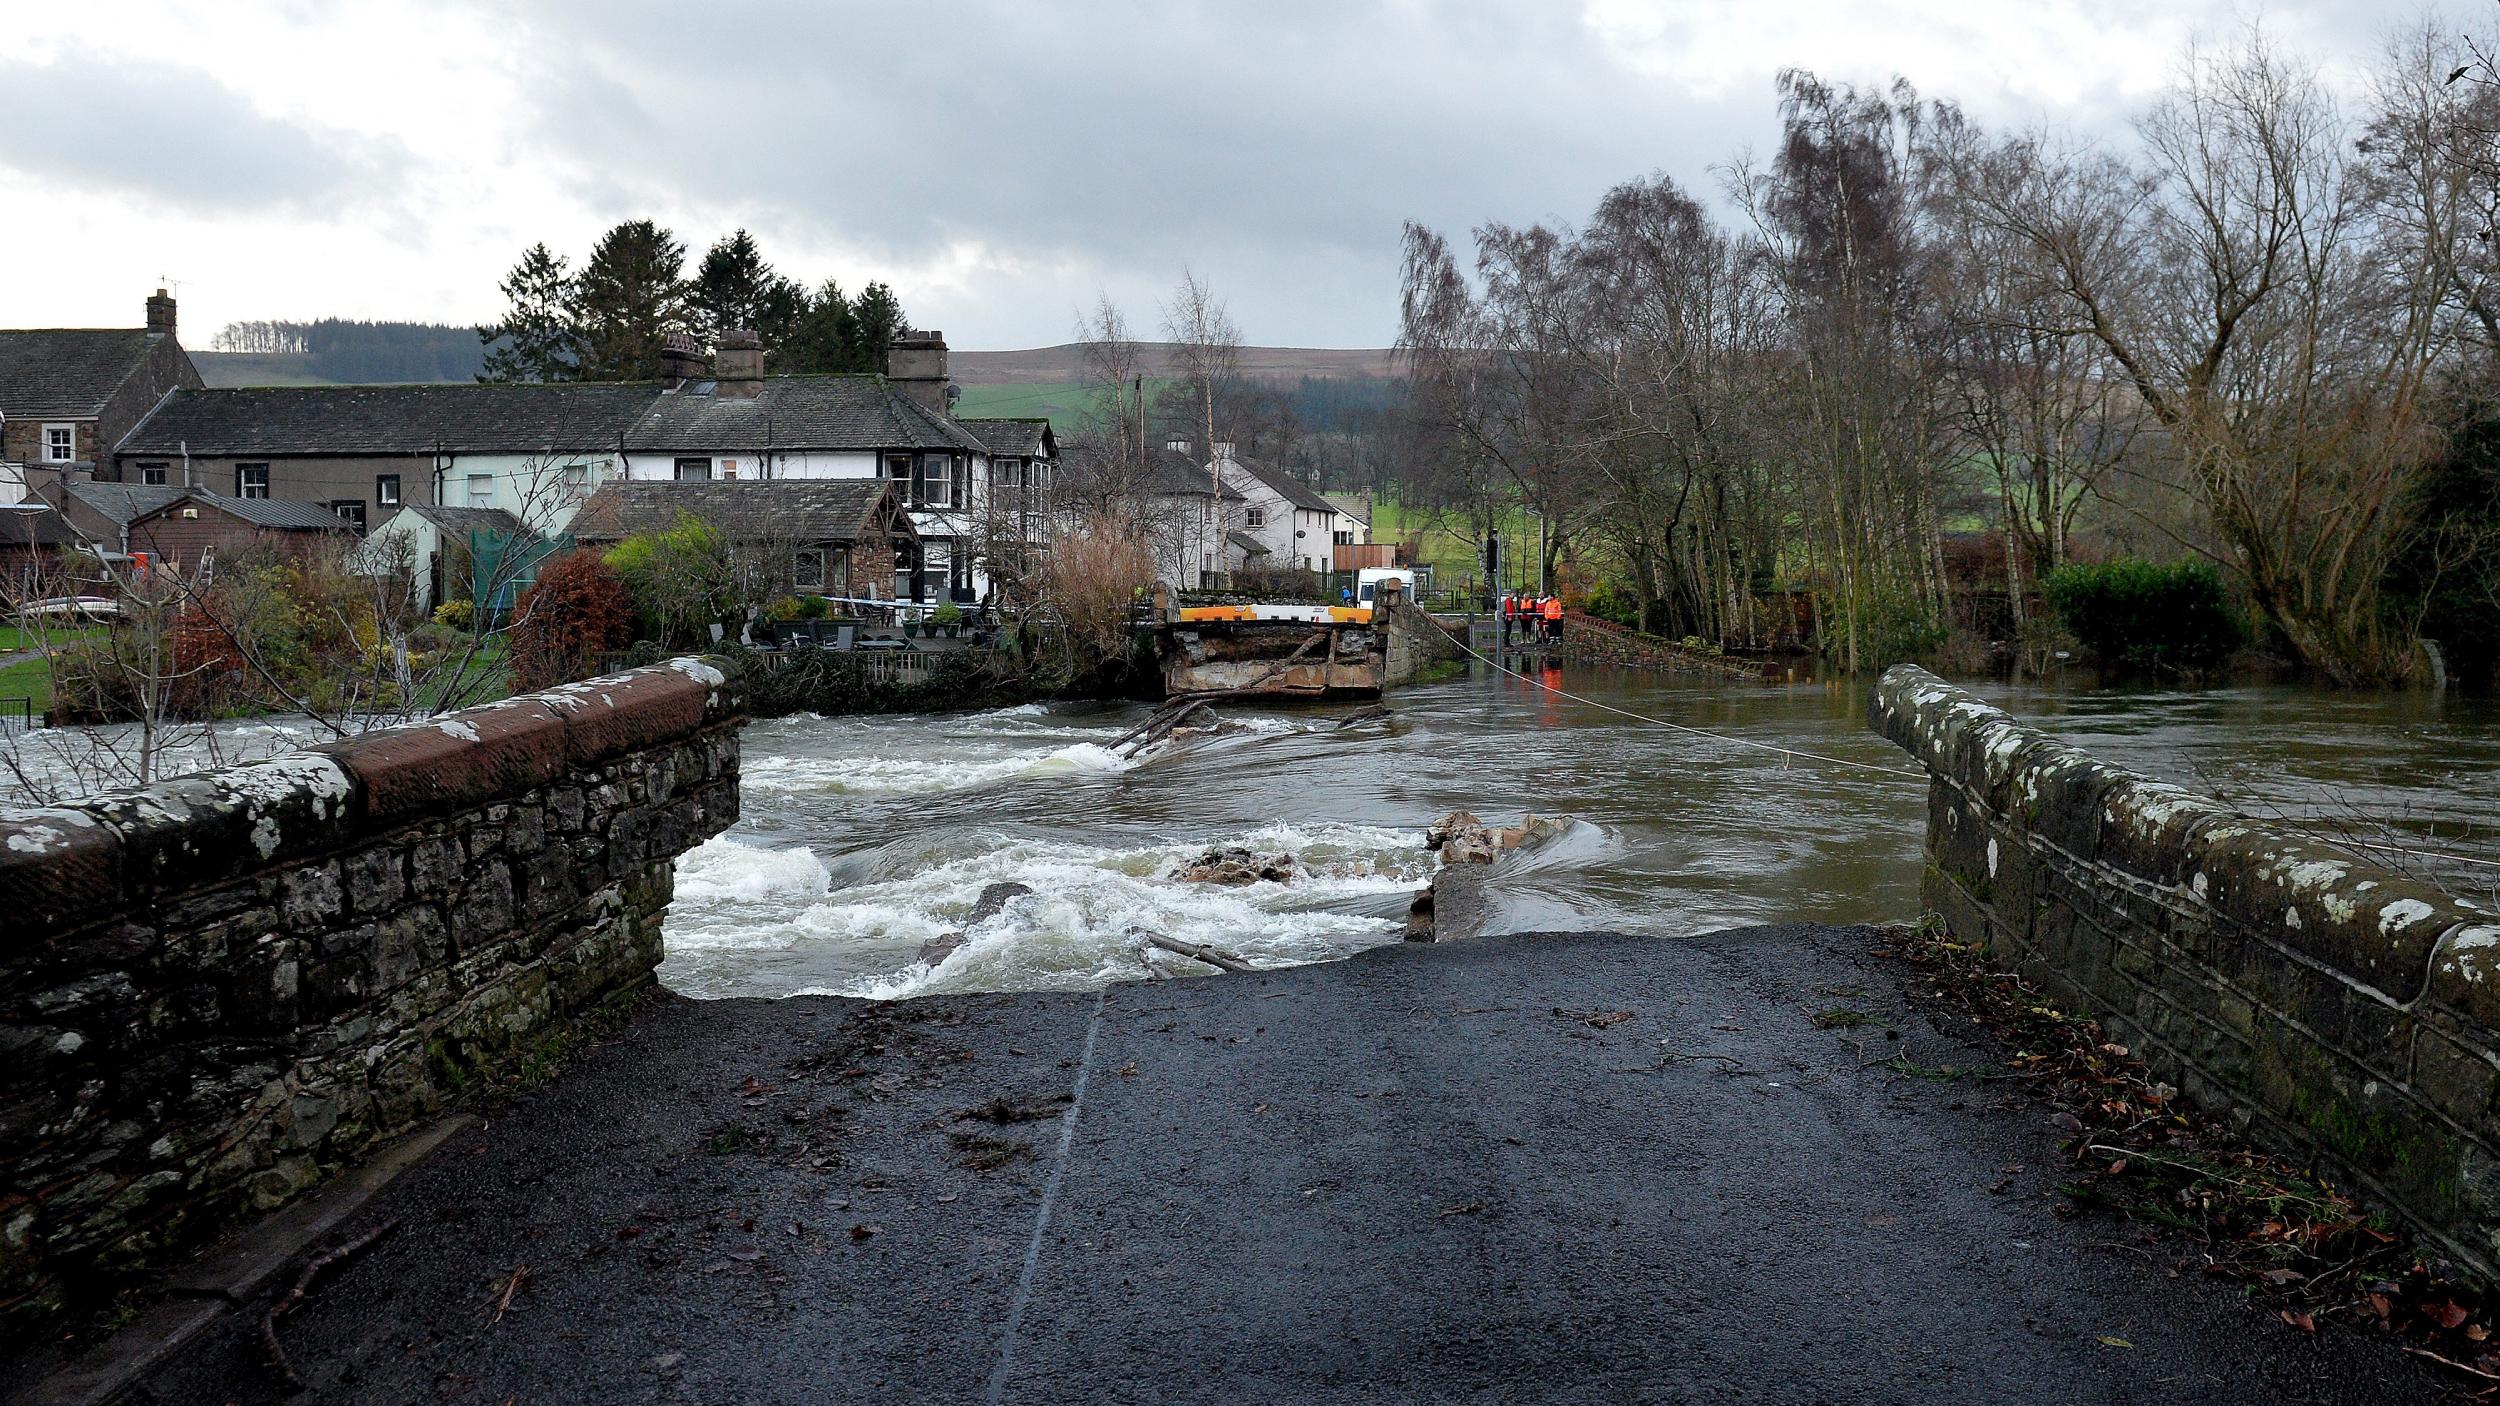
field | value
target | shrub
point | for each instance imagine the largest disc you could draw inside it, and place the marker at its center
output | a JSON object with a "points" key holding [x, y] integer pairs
{"points": [[460, 615], [567, 623], [1607, 601], [679, 578], [2137, 616], [947, 613]]}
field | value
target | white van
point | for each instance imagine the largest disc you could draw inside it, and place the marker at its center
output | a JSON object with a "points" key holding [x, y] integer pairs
{"points": [[1367, 581]]}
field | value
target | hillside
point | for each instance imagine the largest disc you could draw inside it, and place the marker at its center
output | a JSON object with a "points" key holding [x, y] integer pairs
{"points": [[1049, 365]]}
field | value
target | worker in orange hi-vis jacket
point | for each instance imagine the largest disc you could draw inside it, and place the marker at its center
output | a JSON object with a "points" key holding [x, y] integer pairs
{"points": [[1553, 619]]}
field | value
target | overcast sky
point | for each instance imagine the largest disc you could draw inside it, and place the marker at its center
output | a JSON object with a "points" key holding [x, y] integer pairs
{"points": [[997, 163]]}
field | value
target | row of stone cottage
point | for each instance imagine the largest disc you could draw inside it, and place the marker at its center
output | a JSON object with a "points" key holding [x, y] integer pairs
{"points": [[115, 431]]}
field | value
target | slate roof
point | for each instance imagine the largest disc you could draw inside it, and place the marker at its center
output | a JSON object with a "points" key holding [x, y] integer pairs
{"points": [[1028, 439], [1250, 546], [421, 419], [122, 503], [67, 372], [1175, 474], [1351, 505], [277, 514], [796, 413], [34, 526], [1286, 486], [799, 509], [460, 522]]}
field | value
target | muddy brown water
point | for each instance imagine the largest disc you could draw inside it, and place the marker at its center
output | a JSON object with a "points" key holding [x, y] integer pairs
{"points": [[863, 838]]}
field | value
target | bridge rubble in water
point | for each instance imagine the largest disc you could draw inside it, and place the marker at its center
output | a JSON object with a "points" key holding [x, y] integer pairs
{"points": [[1290, 652]]}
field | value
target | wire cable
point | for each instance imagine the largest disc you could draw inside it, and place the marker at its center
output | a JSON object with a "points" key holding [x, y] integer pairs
{"points": [[1876, 767]]}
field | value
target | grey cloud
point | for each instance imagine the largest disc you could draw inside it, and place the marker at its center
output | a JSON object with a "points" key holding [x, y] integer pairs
{"points": [[1274, 147], [174, 136]]}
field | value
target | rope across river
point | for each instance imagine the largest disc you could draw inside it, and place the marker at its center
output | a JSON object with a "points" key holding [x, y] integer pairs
{"points": [[1876, 767]]}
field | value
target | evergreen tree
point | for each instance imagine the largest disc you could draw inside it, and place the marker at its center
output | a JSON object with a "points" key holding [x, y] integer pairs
{"points": [[629, 297], [537, 339], [735, 288], [879, 316], [823, 337]]}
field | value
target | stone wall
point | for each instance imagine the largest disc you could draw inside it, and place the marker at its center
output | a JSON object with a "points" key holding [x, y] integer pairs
{"points": [[2350, 1012], [1589, 640], [219, 990]]}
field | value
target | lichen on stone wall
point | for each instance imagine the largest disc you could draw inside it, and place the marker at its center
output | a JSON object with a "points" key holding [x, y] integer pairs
{"points": [[2343, 1006], [236, 983]]}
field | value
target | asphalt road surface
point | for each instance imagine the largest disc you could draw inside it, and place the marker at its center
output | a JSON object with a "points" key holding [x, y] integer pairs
{"points": [[1446, 1173]]}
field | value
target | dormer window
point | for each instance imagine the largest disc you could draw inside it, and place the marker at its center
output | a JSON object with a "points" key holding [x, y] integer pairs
{"points": [[60, 443]]}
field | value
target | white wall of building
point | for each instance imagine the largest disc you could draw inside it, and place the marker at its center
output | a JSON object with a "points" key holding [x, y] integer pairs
{"points": [[542, 490], [1296, 538], [948, 533]]}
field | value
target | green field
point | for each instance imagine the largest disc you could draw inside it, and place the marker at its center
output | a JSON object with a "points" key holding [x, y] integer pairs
{"points": [[1453, 557], [1066, 404], [28, 678]]}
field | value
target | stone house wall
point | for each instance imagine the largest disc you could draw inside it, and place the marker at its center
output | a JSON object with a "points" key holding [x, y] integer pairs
{"points": [[2350, 1012], [220, 990]]}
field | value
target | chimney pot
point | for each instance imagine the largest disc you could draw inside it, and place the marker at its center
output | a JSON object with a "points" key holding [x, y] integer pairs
{"points": [[738, 365], [915, 364], [681, 359]]}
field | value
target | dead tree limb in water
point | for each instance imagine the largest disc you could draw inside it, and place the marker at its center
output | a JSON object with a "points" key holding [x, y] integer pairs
{"points": [[1195, 951], [1166, 718], [1163, 724]]}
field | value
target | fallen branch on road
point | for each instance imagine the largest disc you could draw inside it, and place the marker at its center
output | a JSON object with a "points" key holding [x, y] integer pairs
{"points": [[315, 1269]]}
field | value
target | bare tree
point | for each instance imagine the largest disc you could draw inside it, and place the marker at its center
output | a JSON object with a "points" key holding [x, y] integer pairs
{"points": [[2278, 322], [1206, 357]]}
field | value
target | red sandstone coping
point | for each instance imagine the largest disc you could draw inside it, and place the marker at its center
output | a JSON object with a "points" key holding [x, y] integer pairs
{"points": [[470, 757], [77, 861]]}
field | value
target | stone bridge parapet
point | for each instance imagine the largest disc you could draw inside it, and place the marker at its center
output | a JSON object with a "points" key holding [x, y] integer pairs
{"points": [[2350, 1011], [218, 990]]}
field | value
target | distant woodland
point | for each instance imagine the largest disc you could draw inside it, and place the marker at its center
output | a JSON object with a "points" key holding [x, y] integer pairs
{"points": [[336, 349]]}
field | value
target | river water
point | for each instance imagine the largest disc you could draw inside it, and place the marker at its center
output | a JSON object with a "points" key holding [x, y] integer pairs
{"points": [[864, 837]]}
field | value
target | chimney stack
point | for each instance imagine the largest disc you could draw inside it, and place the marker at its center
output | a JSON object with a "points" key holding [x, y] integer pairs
{"points": [[681, 359], [738, 365], [916, 365], [161, 313]]}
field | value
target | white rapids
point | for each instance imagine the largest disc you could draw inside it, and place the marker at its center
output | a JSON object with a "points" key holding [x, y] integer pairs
{"points": [[866, 837]]}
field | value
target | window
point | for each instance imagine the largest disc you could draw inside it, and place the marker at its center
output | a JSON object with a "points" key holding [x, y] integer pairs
{"points": [[481, 490], [576, 482], [694, 470], [1343, 536], [352, 512], [1256, 517], [251, 480], [1038, 475], [60, 443], [728, 468], [386, 490], [898, 466], [156, 473], [1006, 473], [937, 481], [807, 569]]}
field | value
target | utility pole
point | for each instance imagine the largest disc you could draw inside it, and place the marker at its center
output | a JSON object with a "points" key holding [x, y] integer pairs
{"points": [[1493, 574]]}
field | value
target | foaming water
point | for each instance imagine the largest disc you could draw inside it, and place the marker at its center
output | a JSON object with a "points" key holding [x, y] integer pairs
{"points": [[865, 837]]}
